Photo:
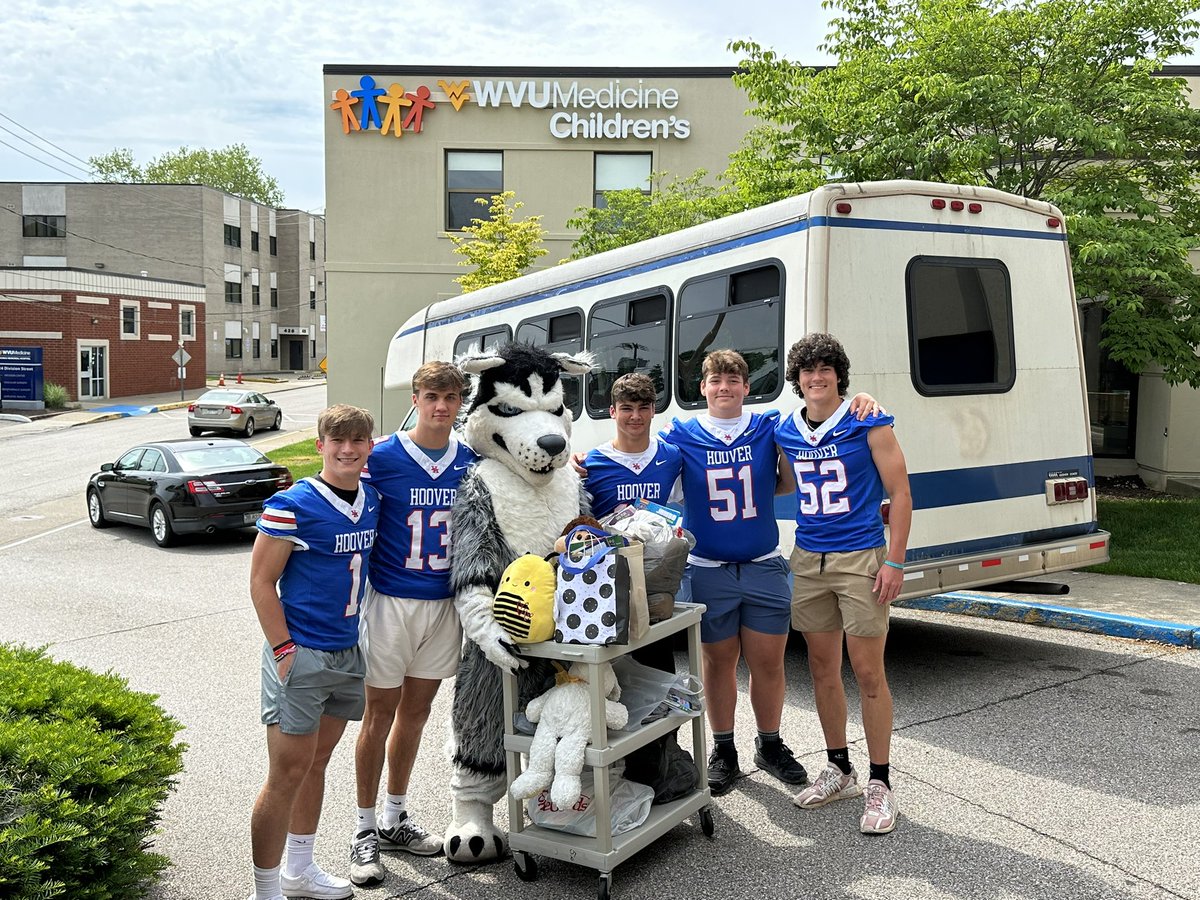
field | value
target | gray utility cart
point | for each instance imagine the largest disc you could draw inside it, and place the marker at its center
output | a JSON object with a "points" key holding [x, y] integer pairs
{"points": [[605, 852]]}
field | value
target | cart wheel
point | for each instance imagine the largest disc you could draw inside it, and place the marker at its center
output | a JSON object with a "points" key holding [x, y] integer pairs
{"points": [[706, 821], [525, 866], [603, 885]]}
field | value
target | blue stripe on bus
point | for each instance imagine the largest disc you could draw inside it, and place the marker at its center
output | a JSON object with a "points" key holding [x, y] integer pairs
{"points": [[937, 228], [724, 246]]}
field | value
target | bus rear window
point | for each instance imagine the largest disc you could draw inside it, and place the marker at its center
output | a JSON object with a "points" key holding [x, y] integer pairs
{"points": [[960, 326]]}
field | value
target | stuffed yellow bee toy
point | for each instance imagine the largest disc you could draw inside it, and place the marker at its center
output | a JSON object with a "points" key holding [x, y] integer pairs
{"points": [[524, 602]]}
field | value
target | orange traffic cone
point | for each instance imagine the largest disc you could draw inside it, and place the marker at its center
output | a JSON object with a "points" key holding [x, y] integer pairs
{"points": [[221, 380], [239, 381]]}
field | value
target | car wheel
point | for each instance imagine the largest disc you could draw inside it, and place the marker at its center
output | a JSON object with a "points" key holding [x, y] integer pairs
{"points": [[278, 421], [196, 432], [96, 510], [160, 526], [248, 431]]}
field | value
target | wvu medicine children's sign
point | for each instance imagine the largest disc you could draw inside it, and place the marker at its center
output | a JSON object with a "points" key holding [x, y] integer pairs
{"points": [[612, 112]]}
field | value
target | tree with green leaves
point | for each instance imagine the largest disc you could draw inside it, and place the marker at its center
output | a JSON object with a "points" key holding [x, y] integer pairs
{"points": [[499, 247], [1058, 100], [231, 169], [632, 215]]}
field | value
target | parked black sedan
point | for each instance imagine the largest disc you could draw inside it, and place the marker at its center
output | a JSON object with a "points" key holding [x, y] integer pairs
{"points": [[184, 487]]}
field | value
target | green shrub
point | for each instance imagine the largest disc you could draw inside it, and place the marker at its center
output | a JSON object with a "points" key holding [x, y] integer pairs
{"points": [[85, 765], [54, 395]]}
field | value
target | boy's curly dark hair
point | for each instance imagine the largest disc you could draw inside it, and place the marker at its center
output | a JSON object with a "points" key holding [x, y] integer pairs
{"points": [[813, 349]]}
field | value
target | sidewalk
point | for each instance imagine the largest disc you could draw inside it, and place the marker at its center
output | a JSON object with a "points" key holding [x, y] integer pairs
{"points": [[104, 410]]}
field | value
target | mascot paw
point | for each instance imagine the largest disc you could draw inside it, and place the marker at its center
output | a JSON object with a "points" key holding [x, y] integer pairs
{"points": [[474, 842]]}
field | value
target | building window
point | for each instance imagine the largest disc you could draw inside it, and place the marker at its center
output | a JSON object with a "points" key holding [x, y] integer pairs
{"points": [[130, 326], [255, 295], [233, 348], [628, 335], [558, 333], [255, 348], [274, 246], [274, 348], [44, 226], [960, 326], [275, 296], [741, 310], [254, 241], [233, 292], [620, 172], [470, 176], [312, 249], [312, 299], [187, 323], [312, 354], [483, 339], [233, 236]]}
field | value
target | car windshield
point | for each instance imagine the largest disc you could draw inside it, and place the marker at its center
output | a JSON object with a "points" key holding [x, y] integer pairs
{"points": [[202, 458], [221, 397]]}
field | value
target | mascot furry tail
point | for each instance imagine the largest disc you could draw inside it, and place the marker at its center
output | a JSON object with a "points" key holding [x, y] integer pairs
{"points": [[515, 500]]}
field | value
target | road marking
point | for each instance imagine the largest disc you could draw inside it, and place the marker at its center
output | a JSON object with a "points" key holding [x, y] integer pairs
{"points": [[42, 535]]}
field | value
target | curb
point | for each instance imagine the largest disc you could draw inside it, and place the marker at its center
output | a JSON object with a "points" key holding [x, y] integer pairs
{"points": [[1176, 634]]}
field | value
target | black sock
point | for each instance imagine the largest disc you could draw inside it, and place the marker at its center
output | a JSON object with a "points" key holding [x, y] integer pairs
{"points": [[768, 737], [880, 772], [840, 758], [723, 743]]}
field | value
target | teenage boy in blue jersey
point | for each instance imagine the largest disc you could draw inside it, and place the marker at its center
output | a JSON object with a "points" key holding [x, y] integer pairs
{"points": [[411, 635], [845, 572], [307, 578], [729, 477]]}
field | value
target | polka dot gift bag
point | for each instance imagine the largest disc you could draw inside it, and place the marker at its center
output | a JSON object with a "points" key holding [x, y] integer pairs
{"points": [[591, 599]]}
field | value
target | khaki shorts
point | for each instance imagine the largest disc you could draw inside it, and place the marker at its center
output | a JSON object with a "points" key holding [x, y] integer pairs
{"points": [[402, 637], [833, 592]]}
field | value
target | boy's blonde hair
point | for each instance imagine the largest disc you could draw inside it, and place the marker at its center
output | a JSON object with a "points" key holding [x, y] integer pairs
{"points": [[724, 362], [439, 376], [343, 421]]}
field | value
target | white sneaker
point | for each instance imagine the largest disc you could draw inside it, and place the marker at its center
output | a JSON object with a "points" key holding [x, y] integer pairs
{"points": [[314, 883], [366, 869], [830, 785], [879, 816]]}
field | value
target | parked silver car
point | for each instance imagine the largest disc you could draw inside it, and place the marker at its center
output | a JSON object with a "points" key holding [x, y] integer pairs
{"points": [[240, 411]]}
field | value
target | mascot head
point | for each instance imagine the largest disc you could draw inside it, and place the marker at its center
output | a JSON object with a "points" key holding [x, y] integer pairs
{"points": [[517, 416]]}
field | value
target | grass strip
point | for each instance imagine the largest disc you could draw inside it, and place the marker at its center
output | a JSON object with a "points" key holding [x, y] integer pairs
{"points": [[1152, 538]]}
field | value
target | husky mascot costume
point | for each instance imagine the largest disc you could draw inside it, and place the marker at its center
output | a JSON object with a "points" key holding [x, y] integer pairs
{"points": [[516, 499]]}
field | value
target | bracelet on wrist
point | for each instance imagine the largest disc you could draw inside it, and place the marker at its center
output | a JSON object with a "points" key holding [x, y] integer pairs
{"points": [[285, 649], [281, 645], [894, 565]]}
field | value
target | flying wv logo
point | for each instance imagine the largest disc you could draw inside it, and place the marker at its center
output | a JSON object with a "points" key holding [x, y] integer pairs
{"points": [[457, 92]]}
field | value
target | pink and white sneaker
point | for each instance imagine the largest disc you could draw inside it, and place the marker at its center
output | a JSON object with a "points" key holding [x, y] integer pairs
{"points": [[830, 785], [879, 816]]}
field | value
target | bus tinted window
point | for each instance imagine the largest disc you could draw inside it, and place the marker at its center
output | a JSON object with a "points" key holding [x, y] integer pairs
{"points": [[558, 333], [740, 310], [960, 326], [628, 335], [482, 339]]}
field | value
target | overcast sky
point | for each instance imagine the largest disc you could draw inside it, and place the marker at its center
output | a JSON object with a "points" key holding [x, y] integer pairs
{"points": [[153, 75]]}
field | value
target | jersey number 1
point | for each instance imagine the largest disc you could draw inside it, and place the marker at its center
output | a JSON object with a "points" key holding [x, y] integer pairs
{"points": [[355, 584]]}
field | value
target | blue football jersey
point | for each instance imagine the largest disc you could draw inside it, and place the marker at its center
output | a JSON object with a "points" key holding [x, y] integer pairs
{"points": [[615, 479], [729, 485], [838, 488], [326, 575], [412, 555]]}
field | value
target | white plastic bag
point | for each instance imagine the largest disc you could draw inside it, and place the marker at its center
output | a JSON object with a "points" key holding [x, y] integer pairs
{"points": [[630, 807], [650, 693]]}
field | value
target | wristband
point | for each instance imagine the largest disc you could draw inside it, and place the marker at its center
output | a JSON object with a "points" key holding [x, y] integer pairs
{"points": [[894, 565], [281, 645], [284, 649]]}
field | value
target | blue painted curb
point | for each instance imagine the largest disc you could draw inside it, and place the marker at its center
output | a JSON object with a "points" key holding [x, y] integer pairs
{"points": [[122, 411], [1071, 618]]}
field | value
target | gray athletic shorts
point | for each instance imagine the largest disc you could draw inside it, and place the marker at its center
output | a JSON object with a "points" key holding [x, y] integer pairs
{"points": [[320, 682]]}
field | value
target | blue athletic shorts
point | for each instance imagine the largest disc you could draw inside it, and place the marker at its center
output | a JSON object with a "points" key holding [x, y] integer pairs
{"points": [[752, 595]]}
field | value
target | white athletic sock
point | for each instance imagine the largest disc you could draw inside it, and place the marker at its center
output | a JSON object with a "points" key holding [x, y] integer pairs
{"points": [[393, 809], [266, 883], [366, 820], [299, 853]]}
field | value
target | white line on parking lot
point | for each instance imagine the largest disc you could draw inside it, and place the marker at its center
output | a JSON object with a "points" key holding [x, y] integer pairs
{"points": [[42, 535]]}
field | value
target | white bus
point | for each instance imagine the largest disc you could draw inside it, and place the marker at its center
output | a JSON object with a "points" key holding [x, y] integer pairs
{"points": [[955, 304]]}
